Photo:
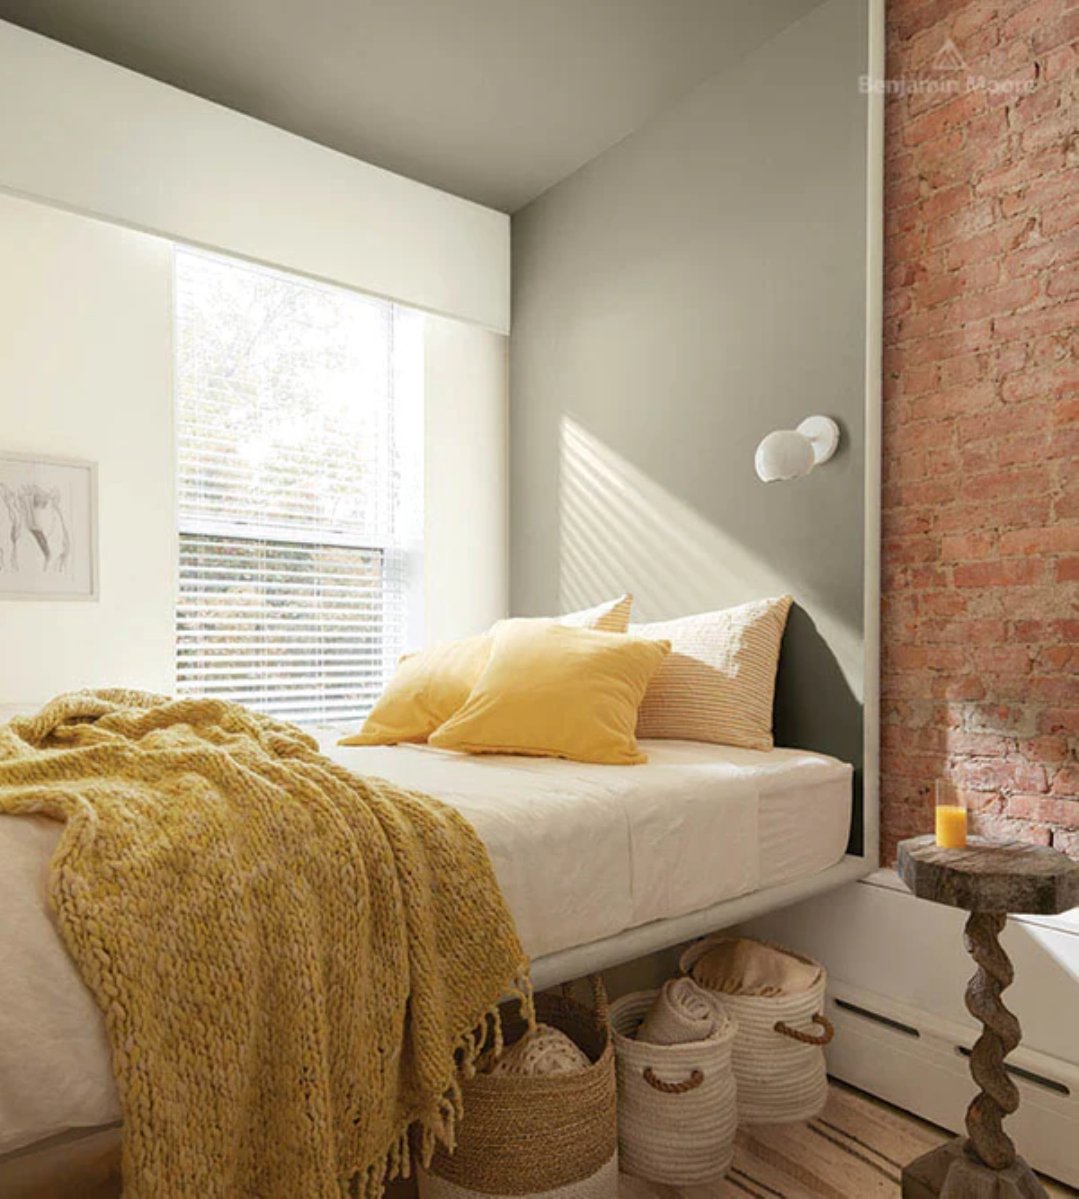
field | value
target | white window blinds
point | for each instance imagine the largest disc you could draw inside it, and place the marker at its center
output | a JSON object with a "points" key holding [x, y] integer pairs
{"points": [[299, 445]]}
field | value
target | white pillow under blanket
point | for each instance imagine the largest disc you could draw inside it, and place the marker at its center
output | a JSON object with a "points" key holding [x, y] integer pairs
{"points": [[718, 682]]}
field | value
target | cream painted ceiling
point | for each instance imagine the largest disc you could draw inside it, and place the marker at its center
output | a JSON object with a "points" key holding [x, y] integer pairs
{"points": [[495, 100]]}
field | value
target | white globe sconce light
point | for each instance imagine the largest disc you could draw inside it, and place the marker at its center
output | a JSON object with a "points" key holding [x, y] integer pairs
{"points": [[792, 453]]}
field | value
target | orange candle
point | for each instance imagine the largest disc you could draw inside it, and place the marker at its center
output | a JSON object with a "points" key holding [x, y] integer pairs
{"points": [[951, 826]]}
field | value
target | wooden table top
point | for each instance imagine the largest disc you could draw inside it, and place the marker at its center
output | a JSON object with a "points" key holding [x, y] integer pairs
{"points": [[991, 876]]}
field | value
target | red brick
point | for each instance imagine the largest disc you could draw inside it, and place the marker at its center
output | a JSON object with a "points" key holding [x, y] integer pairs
{"points": [[943, 203], [1001, 659], [1064, 812], [1063, 282], [970, 219], [1060, 218], [967, 547], [955, 401], [956, 111], [998, 574], [970, 368], [997, 301], [1057, 33], [1060, 720], [1046, 749], [1002, 238], [1050, 131], [1056, 658], [1057, 539], [1067, 843], [1066, 782], [1054, 251], [1061, 61], [1047, 382], [1037, 322], [1005, 484], [1028, 18], [1019, 171]]}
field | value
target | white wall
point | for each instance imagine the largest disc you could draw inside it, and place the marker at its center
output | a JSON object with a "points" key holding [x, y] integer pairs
{"points": [[84, 134], [86, 372], [466, 556]]}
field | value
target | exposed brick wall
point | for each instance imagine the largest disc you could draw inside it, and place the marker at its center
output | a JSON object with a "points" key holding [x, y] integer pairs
{"points": [[981, 421]]}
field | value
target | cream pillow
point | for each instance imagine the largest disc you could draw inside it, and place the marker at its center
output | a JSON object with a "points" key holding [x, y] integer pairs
{"points": [[718, 682], [556, 692], [429, 686], [609, 617]]}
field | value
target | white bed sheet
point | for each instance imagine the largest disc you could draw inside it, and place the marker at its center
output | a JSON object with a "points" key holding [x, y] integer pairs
{"points": [[581, 852]]}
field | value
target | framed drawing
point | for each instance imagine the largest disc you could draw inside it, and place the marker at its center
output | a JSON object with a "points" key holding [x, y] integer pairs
{"points": [[48, 528]]}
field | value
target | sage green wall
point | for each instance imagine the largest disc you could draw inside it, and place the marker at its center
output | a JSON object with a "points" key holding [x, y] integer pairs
{"points": [[698, 285]]}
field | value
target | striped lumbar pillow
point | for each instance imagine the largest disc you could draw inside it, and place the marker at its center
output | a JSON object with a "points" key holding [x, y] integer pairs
{"points": [[718, 682]]}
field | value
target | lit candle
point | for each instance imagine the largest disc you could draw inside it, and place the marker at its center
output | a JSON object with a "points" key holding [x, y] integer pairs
{"points": [[951, 818]]}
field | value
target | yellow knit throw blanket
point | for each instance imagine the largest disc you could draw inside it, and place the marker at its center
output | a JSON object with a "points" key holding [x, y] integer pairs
{"points": [[295, 963]]}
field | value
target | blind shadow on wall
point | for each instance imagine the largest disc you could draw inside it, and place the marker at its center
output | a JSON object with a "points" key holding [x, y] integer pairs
{"points": [[620, 530]]}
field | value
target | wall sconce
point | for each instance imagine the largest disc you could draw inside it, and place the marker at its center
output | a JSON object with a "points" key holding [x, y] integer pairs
{"points": [[791, 453]]}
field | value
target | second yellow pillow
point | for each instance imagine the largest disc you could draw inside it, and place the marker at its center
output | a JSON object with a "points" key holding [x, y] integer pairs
{"points": [[552, 691]]}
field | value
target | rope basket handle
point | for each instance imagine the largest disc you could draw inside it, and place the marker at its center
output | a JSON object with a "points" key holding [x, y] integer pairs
{"points": [[673, 1088], [600, 1003], [599, 999], [807, 1038]]}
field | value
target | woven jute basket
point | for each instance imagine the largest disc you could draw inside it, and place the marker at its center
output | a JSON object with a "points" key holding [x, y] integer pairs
{"points": [[779, 1050], [677, 1110], [551, 1135]]}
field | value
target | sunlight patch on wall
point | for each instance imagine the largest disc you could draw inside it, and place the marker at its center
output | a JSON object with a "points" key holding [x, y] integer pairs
{"points": [[621, 531]]}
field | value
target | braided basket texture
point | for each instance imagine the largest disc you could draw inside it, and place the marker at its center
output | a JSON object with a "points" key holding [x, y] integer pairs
{"points": [[778, 1052], [677, 1114], [553, 1136]]}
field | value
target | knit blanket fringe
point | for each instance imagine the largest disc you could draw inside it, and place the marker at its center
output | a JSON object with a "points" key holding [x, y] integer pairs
{"points": [[297, 966], [419, 1141]]}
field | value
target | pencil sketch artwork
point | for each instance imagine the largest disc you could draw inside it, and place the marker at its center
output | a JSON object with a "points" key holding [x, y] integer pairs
{"points": [[47, 528]]}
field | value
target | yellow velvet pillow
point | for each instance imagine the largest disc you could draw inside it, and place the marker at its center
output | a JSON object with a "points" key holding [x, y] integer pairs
{"points": [[426, 689], [429, 686], [552, 691]]}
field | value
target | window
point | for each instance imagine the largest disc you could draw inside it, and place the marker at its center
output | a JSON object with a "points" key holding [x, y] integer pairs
{"points": [[299, 435]]}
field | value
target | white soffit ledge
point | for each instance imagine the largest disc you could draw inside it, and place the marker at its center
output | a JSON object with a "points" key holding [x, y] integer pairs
{"points": [[85, 135]]}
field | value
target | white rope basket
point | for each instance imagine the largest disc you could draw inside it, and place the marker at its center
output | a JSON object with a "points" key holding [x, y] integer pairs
{"points": [[779, 1051], [677, 1113]]}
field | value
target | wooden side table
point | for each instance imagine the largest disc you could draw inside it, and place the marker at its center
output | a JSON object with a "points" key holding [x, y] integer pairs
{"points": [[989, 879]]}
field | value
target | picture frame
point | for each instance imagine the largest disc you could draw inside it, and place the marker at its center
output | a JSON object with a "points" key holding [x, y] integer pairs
{"points": [[48, 528]]}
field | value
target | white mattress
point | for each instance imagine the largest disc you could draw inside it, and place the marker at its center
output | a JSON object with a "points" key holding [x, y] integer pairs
{"points": [[581, 852]]}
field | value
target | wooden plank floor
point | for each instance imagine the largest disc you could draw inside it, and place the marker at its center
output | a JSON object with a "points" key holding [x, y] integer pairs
{"points": [[855, 1149]]}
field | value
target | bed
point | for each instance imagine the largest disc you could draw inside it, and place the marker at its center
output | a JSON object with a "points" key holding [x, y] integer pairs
{"points": [[598, 864]]}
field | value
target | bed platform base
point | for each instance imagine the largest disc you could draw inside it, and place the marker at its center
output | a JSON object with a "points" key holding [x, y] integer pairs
{"points": [[87, 1165]]}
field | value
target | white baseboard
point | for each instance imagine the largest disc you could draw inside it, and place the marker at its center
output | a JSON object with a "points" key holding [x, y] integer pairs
{"points": [[919, 1066], [897, 972]]}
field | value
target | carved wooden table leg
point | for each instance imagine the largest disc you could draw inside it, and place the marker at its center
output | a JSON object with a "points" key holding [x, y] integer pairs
{"points": [[987, 879], [1000, 1034], [983, 1165]]}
